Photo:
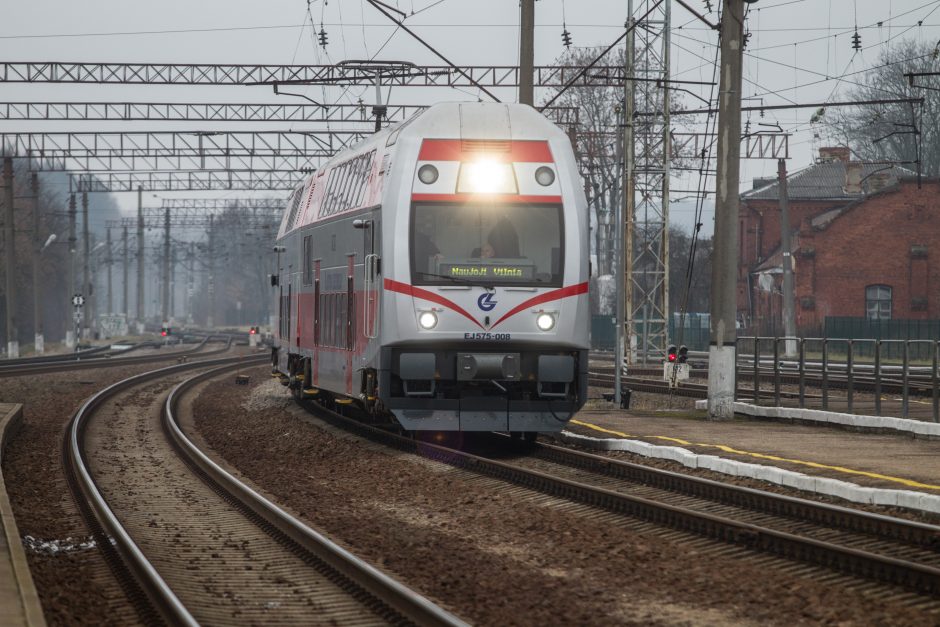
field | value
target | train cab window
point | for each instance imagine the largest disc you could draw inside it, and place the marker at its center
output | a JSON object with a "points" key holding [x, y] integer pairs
{"points": [[490, 243]]}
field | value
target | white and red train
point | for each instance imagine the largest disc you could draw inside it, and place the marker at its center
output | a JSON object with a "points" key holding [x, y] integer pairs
{"points": [[436, 274]]}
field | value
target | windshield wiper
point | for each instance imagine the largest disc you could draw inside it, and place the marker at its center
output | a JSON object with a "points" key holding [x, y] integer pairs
{"points": [[457, 279]]}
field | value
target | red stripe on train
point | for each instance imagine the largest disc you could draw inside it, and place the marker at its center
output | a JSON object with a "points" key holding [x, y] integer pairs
{"points": [[409, 290], [571, 290], [519, 151], [494, 198]]}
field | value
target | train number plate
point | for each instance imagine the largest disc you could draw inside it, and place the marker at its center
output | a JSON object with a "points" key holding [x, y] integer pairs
{"points": [[487, 336]]}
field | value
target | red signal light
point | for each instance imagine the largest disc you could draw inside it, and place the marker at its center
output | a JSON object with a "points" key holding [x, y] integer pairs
{"points": [[672, 357], [252, 331], [163, 333]]}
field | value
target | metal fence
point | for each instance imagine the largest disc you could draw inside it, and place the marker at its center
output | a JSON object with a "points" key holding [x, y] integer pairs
{"points": [[842, 367], [695, 331]]}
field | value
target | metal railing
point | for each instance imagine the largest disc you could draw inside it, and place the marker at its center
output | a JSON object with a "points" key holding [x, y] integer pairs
{"points": [[840, 368]]}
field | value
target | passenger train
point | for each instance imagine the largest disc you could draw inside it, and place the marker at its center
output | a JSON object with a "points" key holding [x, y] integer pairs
{"points": [[436, 275]]}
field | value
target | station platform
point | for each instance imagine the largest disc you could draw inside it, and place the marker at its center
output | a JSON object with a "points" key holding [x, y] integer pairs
{"points": [[19, 603], [813, 452]]}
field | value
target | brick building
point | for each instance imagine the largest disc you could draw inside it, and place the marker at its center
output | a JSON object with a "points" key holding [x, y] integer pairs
{"points": [[865, 241]]}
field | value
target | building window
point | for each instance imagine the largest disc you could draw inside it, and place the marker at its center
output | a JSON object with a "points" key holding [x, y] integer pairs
{"points": [[878, 302]]}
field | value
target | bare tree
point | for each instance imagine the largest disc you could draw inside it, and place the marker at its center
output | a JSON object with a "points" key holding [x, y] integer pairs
{"points": [[599, 142], [890, 132]]}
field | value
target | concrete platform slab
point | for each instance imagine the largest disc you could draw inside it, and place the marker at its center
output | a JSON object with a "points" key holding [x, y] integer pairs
{"points": [[19, 603]]}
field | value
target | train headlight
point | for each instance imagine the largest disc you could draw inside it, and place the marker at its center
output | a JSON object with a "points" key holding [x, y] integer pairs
{"points": [[427, 174], [427, 320], [545, 321], [486, 177], [544, 176]]}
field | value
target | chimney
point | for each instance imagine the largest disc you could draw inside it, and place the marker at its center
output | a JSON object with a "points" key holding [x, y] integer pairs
{"points": [[853, 178], [880, 180], [832, 154]]}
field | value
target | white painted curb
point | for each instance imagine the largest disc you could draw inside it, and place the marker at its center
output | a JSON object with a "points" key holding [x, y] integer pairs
{"points": [[819, 485], [904, 425]]}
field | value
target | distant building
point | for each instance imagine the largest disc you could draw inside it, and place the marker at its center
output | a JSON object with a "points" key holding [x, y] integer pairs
{"points": [[865, 241]]}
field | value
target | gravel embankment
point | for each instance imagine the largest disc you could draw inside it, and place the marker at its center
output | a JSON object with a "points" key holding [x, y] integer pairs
{"points": [[497, 554]]}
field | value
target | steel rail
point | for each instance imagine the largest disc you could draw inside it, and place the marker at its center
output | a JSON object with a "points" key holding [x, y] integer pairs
{"points": [[920, 577], [108, 531], [17, 370], [405, 601]]}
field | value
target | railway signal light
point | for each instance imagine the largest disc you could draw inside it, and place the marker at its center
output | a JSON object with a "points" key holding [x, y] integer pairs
{"points": [[165, 331], [683, 354], [671, 353]]}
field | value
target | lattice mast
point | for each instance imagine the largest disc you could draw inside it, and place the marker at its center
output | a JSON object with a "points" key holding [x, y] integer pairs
{"points": [[647, 166]]}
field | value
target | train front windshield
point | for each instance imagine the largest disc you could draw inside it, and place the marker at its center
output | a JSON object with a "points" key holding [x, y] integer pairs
{"points": [[487, 243]]}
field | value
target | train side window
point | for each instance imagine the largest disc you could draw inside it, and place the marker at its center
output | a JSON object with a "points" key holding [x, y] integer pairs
{"points": [[308, 260], [317, 312], [350, 314], [339, 320]]}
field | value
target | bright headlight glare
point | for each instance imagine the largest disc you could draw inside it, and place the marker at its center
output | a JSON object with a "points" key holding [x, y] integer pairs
{"points": [[427, 174], [427, 320], [545, 176], [486, 177], [545, 321]]}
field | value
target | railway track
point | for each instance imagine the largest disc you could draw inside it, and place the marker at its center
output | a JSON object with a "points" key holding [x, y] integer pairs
{"points": [[898, 558], [190, 543], [45, 367]]}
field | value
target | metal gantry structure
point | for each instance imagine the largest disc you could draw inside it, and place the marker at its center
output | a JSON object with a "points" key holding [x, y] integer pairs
{"points": [[647, 169]]}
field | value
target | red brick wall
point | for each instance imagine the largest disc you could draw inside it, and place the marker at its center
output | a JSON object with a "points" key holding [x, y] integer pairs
{"points": [[868, 244]]}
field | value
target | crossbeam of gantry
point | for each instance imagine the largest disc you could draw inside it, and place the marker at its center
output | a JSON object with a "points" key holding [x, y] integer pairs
{"points": [[154, 217], [210, 160], [221, 204], [225, 112], [254, 74], [129, 143], [281, 181]]}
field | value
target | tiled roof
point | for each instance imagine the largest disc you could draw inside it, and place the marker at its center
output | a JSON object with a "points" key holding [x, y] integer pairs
{"points": [[825, 181]]}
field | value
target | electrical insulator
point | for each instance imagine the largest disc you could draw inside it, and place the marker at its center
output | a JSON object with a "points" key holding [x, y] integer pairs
{"points": [[856, 41], [566, 37], [322, 36]]}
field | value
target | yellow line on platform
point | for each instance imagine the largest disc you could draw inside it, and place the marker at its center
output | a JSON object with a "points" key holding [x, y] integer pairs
{"points": [[727, 449]]}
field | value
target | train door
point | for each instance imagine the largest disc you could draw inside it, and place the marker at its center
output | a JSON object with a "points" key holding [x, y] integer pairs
{"points": [[370, 276]]}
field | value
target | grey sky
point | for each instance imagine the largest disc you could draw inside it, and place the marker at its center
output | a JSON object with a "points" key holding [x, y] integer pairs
{"points": [[798, 50]]}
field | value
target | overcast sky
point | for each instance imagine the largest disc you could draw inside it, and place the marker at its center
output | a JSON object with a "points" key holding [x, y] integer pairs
{"points": [[800, 50]]}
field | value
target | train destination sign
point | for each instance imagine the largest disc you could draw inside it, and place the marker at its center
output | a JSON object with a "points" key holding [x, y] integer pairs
{"points": [[504, 272]]}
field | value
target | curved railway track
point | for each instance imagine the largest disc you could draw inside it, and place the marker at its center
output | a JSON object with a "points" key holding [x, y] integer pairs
{"points": [[190, 543], [20, 369], [900, 558]]}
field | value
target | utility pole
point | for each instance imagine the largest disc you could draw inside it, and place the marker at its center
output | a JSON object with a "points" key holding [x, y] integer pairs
{"points": [[527, 53], [140, 260], [210, 317], [124, 309], [789, 319], [110, 285], [166, 266], [39, 345], [71, 336], [191, 282], [624, 209], [722, 347], [13, 345], [86, 273]]}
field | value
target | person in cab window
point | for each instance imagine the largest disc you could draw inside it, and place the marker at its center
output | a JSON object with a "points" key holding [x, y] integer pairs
{"points": [[503, 240], [425, 249]]}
